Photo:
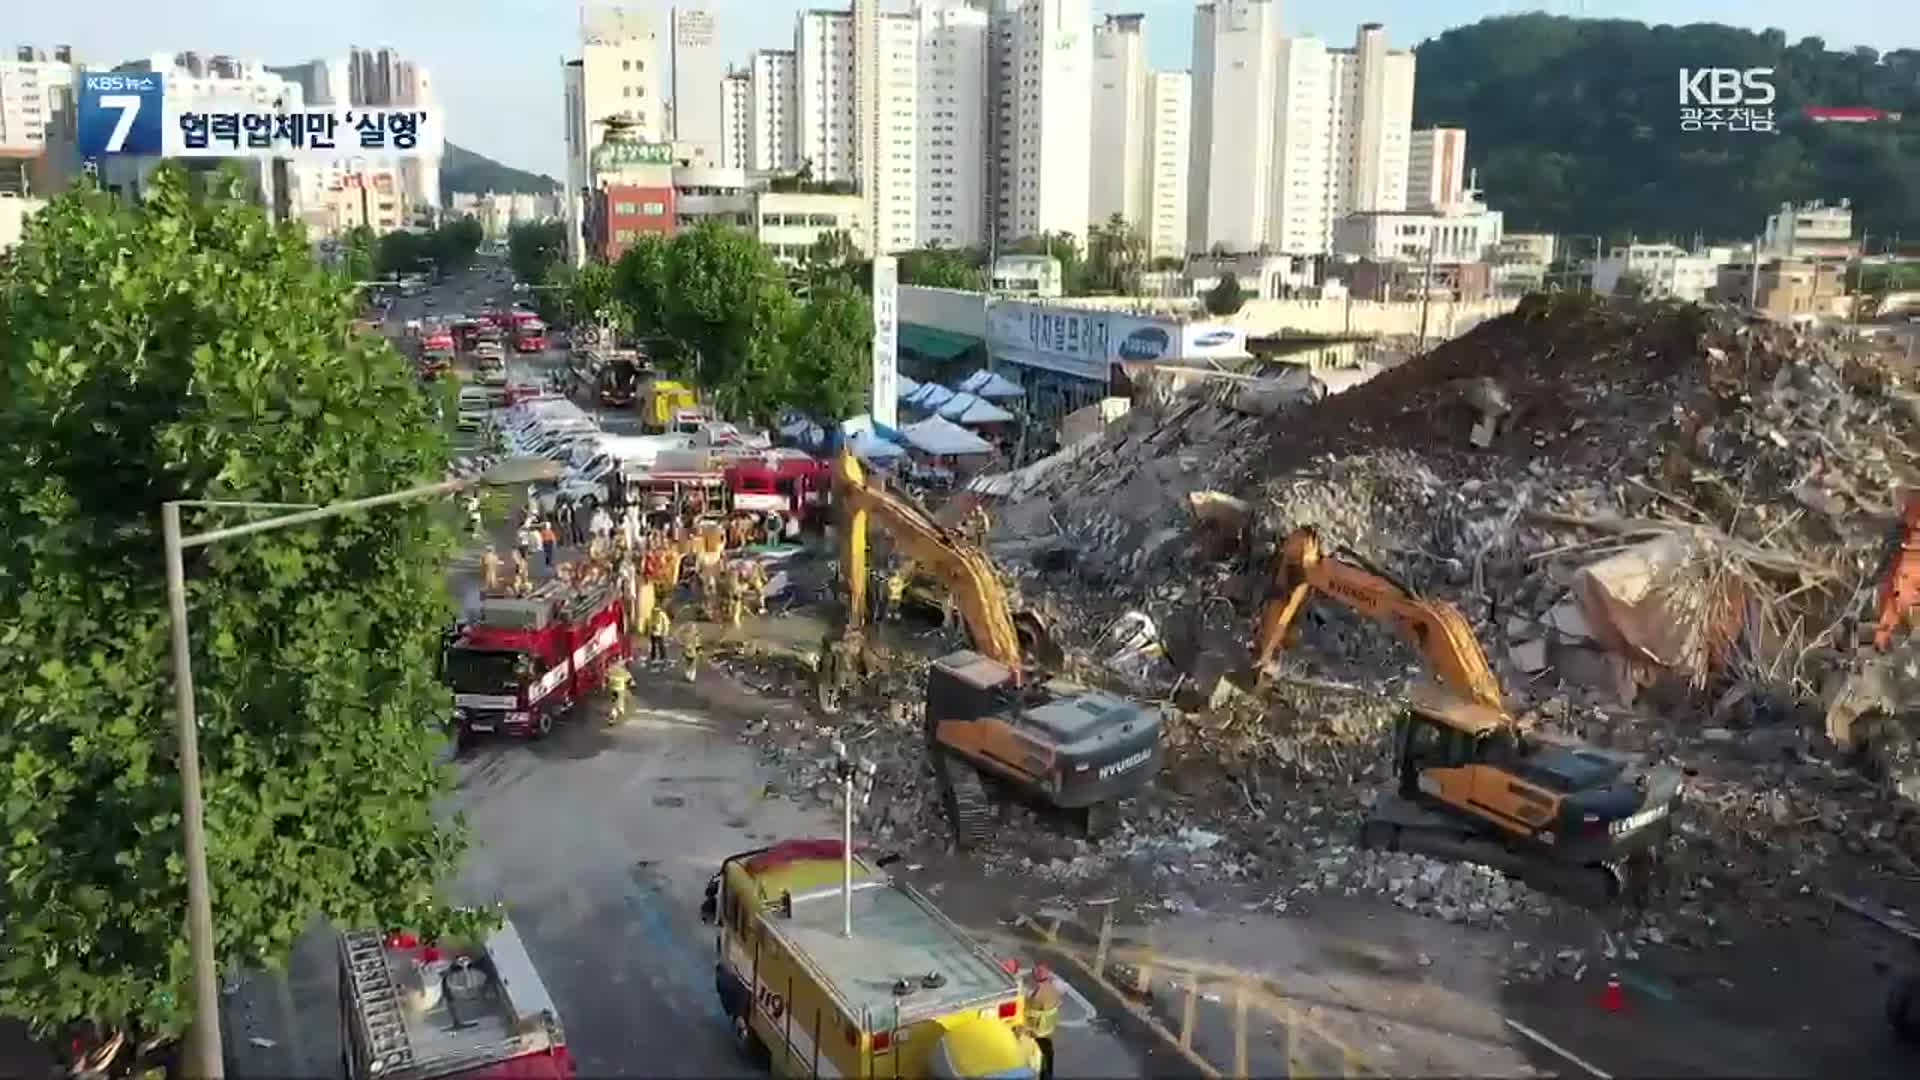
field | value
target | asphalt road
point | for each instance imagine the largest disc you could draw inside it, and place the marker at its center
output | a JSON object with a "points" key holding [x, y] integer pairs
{"points": [[599, 840]]}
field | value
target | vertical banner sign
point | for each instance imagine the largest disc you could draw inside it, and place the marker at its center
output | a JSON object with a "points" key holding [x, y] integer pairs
{"points": [[886, 340]]}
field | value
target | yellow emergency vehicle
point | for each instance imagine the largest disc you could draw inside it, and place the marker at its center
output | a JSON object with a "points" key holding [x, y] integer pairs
{"points": [[909, 994]]}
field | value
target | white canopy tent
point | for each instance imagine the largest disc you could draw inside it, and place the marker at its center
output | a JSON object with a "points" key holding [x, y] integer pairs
{"points": [[930, 396], [868, 446], [938, 435], [987, 384], [907, 388], [972, 409]]}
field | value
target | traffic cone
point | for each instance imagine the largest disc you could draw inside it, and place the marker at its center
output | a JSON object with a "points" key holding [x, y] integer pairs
{"points": [[1612, 998]]}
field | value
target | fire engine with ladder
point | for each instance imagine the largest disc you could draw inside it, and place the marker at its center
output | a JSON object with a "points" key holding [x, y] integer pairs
{"points": [[413, 1010], [525, 661]]}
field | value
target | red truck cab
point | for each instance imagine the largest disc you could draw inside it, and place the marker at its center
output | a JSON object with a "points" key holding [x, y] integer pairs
{"points": [[525, 661]]}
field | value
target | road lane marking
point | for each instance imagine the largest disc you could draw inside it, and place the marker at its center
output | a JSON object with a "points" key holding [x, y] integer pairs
{"points": [[1595, 1071]]}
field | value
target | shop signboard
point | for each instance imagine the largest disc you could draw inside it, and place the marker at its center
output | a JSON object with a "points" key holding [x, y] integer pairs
{"points": [[1072, 341]]}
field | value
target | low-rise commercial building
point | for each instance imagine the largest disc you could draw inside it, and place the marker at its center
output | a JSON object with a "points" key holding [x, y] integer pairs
{"points": [[1028, 275], [1813, 231], [651, 192], [1787, 289], [1466, 233], [1663, 271]]}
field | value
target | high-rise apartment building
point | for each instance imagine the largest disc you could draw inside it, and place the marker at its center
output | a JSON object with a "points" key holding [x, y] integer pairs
{"points": [[773, 136], [35, 91], [1437, 169], [893, 197], [868, 128], [617, 75], [1040, 96], [952, 145], [698, 115], [419, 177], [824, 76], [1169, 107], [373, 75], [1372, 123], [1233, 171], [736, 119], [1122, 133], [1289, 135], [323, 81]]}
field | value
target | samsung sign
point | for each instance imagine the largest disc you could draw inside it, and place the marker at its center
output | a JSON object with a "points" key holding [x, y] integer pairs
{"points": [[1146, 343]]}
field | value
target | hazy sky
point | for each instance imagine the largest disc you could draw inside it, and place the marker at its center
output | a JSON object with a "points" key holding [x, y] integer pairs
{"points": [[496, 62]]}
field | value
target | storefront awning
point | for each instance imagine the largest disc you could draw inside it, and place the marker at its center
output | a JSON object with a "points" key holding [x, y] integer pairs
{"points": [[933, 342]]}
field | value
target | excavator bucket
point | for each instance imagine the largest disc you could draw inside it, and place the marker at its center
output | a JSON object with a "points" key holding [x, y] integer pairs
{"points": [[1037, 641]]}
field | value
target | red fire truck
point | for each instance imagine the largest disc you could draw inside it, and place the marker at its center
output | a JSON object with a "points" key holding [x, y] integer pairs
{"points": [[413, 1010], [529, 335], [526, 660]]}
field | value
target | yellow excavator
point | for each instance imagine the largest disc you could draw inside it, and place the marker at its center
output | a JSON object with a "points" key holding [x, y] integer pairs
{"points": [[1470, 782], [995, 726]]}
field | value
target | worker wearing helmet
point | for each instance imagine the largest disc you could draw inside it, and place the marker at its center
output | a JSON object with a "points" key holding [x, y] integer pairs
{"points": [[1043, 1015], [658, 625], [619, 680], [896, 593]]}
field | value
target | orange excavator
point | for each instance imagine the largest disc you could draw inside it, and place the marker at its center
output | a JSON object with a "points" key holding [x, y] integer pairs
{"points": [[1900, 588], [1471, 783], [999, 726]]}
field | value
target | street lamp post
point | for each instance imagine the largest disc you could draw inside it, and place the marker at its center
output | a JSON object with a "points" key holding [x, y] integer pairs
{"points": [[200, 940]]}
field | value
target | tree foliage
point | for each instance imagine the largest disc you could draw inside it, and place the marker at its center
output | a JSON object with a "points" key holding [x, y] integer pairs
{"points": [[944, 268], [1116, 254], [727, 304], [357, 253], [445, 249], [535, 248], [188, 349], [1226, 297], [1574, 126], [829, 345], [1062, 246], [833, 261]]}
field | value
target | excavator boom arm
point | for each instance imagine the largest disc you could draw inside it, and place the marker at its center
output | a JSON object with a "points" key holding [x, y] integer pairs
{"points": [[965, 570], [1436, 629]]}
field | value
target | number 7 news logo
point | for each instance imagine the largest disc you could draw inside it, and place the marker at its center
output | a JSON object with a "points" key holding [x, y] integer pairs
{"points": [[120, 113]]}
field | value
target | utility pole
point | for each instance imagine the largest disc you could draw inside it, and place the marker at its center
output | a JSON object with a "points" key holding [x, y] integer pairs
{"points": [[1426, 294], [1753, 279]]}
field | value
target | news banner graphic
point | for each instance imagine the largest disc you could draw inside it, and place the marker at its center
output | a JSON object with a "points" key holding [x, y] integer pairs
{"points": [[130, 113]]}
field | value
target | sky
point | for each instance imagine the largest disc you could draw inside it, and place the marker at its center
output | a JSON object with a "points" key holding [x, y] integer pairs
{"points": [[496, 63]]}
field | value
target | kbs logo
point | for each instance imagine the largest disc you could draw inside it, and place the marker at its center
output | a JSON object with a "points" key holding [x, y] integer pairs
{"points": [[1727, 99], [1726, 86], [119, 113]]}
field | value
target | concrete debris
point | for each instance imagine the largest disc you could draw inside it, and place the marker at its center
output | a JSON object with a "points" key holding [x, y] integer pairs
{"points": [[1453, 892]]}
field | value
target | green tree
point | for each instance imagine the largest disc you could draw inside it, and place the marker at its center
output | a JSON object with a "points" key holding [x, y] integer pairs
{"points": [[452, 245], [1116, 253], [1062, 246], [942, 268], [535, 248], [726, 303], [357, 251], [834, 261], [401, 252], [829, 344], [570, 296], [1226, 297], [190, 349]]}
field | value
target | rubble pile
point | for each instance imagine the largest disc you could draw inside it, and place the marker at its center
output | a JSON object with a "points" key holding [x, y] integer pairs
{"points": [[1454, 892]]}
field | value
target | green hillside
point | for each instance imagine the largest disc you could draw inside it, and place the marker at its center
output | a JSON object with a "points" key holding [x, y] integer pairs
{"points": [[1574, 125], [462, 169]]}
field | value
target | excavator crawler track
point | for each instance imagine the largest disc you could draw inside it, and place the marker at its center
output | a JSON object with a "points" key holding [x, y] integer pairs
{"points": [[968, 807]]}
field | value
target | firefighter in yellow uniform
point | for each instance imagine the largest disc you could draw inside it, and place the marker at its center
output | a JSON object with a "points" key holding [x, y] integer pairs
{"points": [[896, 594], [757, 586], [1043, 1015], [619, 680], [658, 626]]}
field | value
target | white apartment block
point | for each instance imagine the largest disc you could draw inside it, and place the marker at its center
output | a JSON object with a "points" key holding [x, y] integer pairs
{"points": [[773, 136], [1230, 192], [953, 124], [1812, 231], [1665, 270], [1437, 169], [1300, 213], [699, 118], [1288, 135], [1372, 123], [1042, 71], [894, 198], [1121, 133], [1464, 233], [620, 76], [419, 177], [33, 92], [823, 45], [736, 120], [1169, 107]]}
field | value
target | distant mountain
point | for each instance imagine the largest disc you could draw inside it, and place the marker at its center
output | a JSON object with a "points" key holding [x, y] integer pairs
{"points": [[463, 170]]}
